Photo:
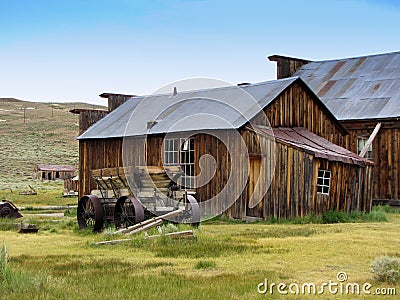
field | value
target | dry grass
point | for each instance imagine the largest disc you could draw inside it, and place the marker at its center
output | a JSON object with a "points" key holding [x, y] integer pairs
{"points": [[233, 259]]}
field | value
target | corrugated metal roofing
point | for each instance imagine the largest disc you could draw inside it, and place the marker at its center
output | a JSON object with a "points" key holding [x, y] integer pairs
{"points": [[319, 147], [357, 88], [217, 108]]}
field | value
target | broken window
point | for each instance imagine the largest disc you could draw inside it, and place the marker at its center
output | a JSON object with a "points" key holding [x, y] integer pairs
{"points": [[361, 141], [323, 182]]}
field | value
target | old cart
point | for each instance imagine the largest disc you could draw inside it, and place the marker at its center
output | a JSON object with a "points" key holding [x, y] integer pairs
{"points": [[127, 196]]}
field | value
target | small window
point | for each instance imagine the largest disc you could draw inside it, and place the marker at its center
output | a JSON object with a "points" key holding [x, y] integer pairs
{"points": [[360, 145], [323, 182], [171, 152]]}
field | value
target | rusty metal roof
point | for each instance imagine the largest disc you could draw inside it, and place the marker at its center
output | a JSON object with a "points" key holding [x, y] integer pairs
{"points": [[55, 168], [365, 87], [217, 108], [319, 147]]}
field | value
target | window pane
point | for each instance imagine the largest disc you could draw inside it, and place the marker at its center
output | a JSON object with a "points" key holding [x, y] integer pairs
{"points": [[323, 181]]}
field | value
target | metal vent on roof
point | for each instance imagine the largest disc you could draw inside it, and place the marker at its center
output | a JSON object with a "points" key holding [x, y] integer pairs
{"points": [[150, 124]]}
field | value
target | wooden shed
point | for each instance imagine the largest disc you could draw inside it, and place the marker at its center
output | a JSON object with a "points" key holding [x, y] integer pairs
{"points": [[289, 167], [53, 172], [361, 92]]}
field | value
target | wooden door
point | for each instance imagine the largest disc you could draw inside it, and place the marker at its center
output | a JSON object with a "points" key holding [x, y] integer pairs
{"points": [[254, 188]]}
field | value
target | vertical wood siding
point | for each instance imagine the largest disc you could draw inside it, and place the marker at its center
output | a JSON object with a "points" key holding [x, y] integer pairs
{"points": [[385, 152], [297, 107]]}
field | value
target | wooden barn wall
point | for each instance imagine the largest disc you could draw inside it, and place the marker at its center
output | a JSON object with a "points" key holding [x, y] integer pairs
{"points": [[292, 192], [385, 152], [296, 107], [96, 154], [115, 100], [88, 118], [287, 66]]}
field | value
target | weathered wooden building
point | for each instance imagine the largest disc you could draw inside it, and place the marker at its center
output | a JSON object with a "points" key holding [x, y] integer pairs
{"points": [[361, 92], [52, 172], [288, 167]]}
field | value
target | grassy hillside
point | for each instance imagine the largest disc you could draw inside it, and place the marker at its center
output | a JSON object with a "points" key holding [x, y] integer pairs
{"points": [[32, 133]]}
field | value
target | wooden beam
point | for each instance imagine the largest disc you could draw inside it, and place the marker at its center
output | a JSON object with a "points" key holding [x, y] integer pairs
{"points": [[137, 230], [371, 138], [139, 225], [179, 234]]}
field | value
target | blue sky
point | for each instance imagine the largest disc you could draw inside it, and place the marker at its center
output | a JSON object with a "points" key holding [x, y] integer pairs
{"points": [[74, 50]]}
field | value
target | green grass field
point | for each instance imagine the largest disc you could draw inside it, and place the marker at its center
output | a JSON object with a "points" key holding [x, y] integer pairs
{"points": [[225, 261]]}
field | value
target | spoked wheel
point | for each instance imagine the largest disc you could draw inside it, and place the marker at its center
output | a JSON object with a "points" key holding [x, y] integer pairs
{"points": [[90, 213], [128, 211], [191, 214]]}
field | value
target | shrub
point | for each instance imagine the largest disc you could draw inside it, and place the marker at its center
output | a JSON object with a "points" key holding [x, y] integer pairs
{"points": [[334, 216], [386, 268]]}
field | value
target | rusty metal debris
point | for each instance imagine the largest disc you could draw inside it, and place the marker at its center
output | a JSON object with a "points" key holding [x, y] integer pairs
{"points": [[9, 210], [28, 228]]}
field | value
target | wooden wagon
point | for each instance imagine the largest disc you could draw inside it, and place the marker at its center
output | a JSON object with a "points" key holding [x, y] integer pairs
{"points": [[127, 196]]}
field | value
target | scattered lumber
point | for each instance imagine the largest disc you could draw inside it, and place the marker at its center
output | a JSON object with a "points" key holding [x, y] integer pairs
{"points": [[113, 242], [146, 225], [178, 234], [32, 191], [136, 226]]}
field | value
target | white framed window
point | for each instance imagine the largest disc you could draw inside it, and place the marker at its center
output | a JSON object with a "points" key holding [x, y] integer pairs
{"points": [[171, 153], [361, 141], [181, 152], [187, 162], [323, 182]]}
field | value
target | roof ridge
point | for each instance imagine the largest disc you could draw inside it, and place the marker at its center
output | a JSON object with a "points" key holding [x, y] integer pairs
{"points": [[355, 57]]}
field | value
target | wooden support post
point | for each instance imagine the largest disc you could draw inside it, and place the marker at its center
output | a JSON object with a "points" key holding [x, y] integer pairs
{"points": [[371, 138]]}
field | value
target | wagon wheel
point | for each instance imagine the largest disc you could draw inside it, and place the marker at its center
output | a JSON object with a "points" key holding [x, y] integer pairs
{"points": [[5, 212], [90, 213], [128, 211], [191, 214]]}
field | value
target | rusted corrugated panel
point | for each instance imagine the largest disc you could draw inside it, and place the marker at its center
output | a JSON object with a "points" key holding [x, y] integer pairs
{"points": [[316, 145], [357, 88]]}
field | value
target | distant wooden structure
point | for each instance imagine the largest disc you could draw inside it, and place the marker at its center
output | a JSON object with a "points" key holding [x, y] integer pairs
{"points": [[361, 92], [71, 186], [53, 172], [312, 174]]}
